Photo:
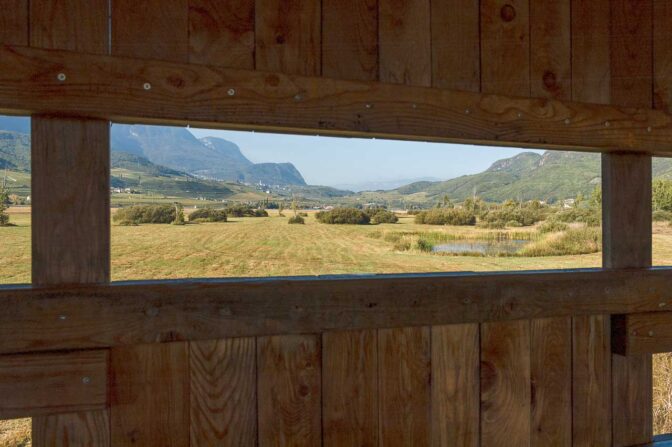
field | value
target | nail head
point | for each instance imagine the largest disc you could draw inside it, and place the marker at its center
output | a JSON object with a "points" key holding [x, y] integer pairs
{"points": [[61, 77], [231, 92], [86, 380], [147, 86]]}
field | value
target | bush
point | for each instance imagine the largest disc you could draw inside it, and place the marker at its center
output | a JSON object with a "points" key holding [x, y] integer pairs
{"points": [[424, 245], [207, 215], [244, 211], [590, 216], [139, 214], [446, 216], [662, 216], [343, 216], [552, 226], [384, 216], [513, 215], [575, 241], [296, 220]]}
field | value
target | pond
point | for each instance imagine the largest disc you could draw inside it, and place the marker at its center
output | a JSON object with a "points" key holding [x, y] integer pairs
{"points": [[487, 248]]}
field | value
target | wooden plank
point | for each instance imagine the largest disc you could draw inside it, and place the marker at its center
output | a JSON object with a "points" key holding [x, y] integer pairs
{"points": [[350, 39], [289, 390], [551, 373], [551, 60], [632, 399], [350, 388], [456, 61], [89, 428], [591, 381], [151, 29], [591, 60], [164, 311], [71, 213], [222, 33], [405, 42], [455, 385], [245, 99], [631, 53], [505, 384], [77, 25], [14, 22], [505, 47], [150, 395], [404, 378], [288, 36], [51, 383], [662, 55], [642, 333], [223, 392]]}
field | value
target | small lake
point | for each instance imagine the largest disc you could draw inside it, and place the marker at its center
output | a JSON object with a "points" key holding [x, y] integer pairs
{"points": [[487, 248]]}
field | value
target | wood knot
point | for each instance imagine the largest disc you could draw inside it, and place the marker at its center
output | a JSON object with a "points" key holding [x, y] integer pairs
{"points": [[272, 80], [176, 81], [280, 39], [508, 13], [550, 81]]}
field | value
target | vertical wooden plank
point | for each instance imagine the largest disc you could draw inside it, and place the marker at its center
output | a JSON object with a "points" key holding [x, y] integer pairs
{"points": [[405, 391], [151, 29], [505, 384], [591, 61], [551, 372], [150, 395], [631, 52], [505, 47], [350, 39], [222, 33], [288, 37], [350, 388], [405, 42], [662, 55], [89, 428], [14, 22], [455, 385], [289, 390], [223, 377], [77, 25], [626, 216], [550, 40]]}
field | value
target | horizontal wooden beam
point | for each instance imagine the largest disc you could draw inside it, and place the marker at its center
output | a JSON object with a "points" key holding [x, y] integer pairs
{"points": [[35, 319], [642, 333], [52, 383], [134, 90]]}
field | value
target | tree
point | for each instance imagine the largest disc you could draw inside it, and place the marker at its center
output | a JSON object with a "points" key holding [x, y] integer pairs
{"points": [[662, 195], [179, 214], [4, 204]]}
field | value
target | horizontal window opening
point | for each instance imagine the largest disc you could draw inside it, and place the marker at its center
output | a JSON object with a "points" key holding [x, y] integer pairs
{"points": [[16, 433]]}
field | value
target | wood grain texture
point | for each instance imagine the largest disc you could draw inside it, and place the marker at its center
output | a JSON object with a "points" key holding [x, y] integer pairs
{"points": [[405, 42], [631, 52], [222, 33], [551, 41], [551, 373], [288, 36], [150, 395], [76, 25], [51, 383], [505, 47], [642, 333], [632, 399], [455, 385], [350, 388], [71, 213], [151, 29], [350, 39], [505, 384], [14, 22], [163, 311], [591, 48], [289, 390], [405, 386], [85, 429], [183, 94], [591, 381], [223, 392], [662, 55], [456, 52]]}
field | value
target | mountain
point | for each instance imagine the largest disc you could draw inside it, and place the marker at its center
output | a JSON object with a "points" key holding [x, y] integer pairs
{"points": [[14, 151], [214, 158], [382, 185]]}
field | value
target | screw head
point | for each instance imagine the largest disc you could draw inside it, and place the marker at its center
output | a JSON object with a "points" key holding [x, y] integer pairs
{"points": [[607, 124], [649, 129], [415, 106], [520, 115], [86, 380], [368, 106], [298, 97], [147, 86], [467, 112], [61, 77], [62, 317], [231, 92], [567, 121], [650, 333]]}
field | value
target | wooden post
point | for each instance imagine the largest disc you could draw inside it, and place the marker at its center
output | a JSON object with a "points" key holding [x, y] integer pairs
{"points": [[626, 215]]}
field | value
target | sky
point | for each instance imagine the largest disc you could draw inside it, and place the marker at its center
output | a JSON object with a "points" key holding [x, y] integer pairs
{"points": [[343, 162]]}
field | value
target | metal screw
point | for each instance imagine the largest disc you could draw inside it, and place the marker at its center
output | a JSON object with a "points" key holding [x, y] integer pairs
{"points": [[650, 333], [62, 317], [86, 380], [520, 115], [368, 106], [662, 304], [415, 106], [231, 92], [147, 86], [61, 77], [466, 301], [225, 312], [467, 112], [567, 121], [298, 97], [648, 129], [607, 124]]}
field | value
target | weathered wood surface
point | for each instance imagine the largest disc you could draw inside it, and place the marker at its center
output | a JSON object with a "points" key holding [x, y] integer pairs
{"points": [[591, 58], [52, 383], [163, 311], [86, 428], [642, 333], [232, 98], [14, 22], [551, 57]]}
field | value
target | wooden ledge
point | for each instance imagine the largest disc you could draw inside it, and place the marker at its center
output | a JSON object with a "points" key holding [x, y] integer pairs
{"points": [[642, 333]]}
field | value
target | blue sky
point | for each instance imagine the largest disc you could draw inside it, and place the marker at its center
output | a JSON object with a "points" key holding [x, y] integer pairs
{"points": [[342, 161]]}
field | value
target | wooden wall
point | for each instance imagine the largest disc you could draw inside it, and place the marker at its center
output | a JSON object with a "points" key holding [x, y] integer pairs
{"points": [[523, 383]]}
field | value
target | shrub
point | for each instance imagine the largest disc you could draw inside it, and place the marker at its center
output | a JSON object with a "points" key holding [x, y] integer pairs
{"points": [[446, 216], [589, 216], [296, 220], [552, 226], [239, 210], [513, 215], [139, 214], [514, 224], [384, 216], [662, 216], [207, 215], [402, 245], [343, 216], [575, 241], [179, 215], [424, 245]]}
